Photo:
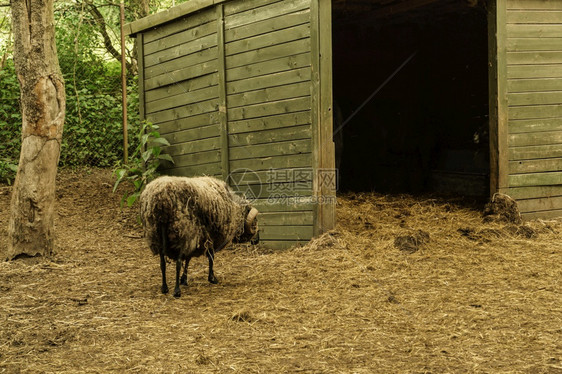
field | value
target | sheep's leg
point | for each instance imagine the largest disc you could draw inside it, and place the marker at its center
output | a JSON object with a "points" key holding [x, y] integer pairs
{"points": [[211, 257], [177, 291], [183, 280], [163, 268]]}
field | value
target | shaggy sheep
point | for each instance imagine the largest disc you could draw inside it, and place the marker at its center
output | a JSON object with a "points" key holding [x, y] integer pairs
{"points": [[188, 217]]}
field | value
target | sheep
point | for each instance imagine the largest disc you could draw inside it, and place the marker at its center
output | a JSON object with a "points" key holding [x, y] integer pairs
{"points": [[188, 217]]}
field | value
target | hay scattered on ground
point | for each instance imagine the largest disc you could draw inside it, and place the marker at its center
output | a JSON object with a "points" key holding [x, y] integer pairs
{"points": [[474, 297]]}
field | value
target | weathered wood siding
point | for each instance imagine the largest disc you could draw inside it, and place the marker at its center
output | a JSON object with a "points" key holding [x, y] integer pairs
{"points": [[532, 49], [233, 89]]}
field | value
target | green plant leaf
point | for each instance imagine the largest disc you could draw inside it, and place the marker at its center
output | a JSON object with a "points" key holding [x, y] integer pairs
{"points": [[167, 157], [161, 141]]}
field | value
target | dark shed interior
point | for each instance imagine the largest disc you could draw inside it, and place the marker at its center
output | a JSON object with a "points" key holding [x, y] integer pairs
{"points": [[426, 130]]}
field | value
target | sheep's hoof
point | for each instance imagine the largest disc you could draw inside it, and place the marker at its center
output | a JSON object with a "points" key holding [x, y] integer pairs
{"points": [[177, 293], [164, 288], [183, 280], [213, 280]]}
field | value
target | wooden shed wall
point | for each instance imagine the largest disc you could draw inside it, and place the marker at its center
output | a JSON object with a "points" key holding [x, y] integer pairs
{"points": [[530, 77], [232, 89]]}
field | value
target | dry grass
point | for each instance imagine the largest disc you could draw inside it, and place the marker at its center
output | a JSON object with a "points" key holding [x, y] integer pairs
{"points": [[474, 297]]}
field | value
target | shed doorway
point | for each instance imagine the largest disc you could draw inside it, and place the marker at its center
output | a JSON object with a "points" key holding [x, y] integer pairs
{"points": [[426, 130]]}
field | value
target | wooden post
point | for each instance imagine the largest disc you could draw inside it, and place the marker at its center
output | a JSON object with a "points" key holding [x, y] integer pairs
{"points": [[124, 84], [223, 115]]}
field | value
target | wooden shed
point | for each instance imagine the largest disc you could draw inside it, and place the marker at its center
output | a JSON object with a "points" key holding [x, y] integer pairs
{"points": [[243, 90]]}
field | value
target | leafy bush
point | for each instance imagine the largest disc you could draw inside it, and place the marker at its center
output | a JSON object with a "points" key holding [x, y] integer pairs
{"points": [[144, 163]]}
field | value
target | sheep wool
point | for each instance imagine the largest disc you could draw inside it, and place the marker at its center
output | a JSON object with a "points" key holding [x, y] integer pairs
{"points": [[199, 214]]}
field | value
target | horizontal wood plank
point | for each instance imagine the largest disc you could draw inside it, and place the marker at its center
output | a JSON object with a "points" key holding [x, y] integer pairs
{"points": [[181, 37], [269, 67], [265, 12], [180, 88], [534, 4], [270, 232], [256, 191], [540, 205], [262, 27], [269, 94], [270, 109], [534, 44], [298, 176], [536, 179], [193, 59], [545, 215], [272, 149], [203, 132], [534, 85], [165, 29], [269, 53], [194, 146], [195, 170], [538, 138], [535, 111], [270, 123], [270, 136], [182, 99], [535, 166], [534, 16], [233, 7], [534, 98], [535, 125], [281, 245], [270, 80], [206, 119], [194, 46], [534, 30], [287, 218], [267, 40], [197, 159], [534, 71], [184, 111], [274, 162], [180, 75], [534, 192], [295, 205], [538, 58], [534, 152]]}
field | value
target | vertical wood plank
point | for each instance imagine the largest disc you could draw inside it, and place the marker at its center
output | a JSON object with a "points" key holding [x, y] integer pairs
{"points": [[502, 104], [328, 219], [493, 96], [140, 62], [315, 112], [223, 112]]}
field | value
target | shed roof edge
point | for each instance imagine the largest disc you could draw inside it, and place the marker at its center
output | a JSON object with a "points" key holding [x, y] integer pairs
{"points": [[153, 20]]}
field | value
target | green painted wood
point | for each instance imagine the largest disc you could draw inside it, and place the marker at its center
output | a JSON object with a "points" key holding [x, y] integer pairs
{"points": [[301, 176], [537, 179], [181, 24], [535, 98], [193, 59], [534, 152], [269, 109], [197, 133], [141, 68], [185, 98], [539, 138], [184, 111], [535, 125], [176, 76], [535, 31], [494, 102], [535, 111], [294, 205], [168, 15], [223, 111], [316, 110], [197, 170], [270, 136], [194, 46], [286, 218], [534, 44], [194, 146], [275, 162], [534, 4], [233, 7], [188, 123], [269, 94], [535, 166], [268, 40], [268, 53], [265, 12], [269, 67], [534, 192], [271, 149], [539, 205], [182, 37], [270, 123], [286, 232], [534, 16], [269, 25], [182, 88], [270, 80], [254, 191], [550, 214], [534, 71], [197, 159], [534, 85], [540, 57]]}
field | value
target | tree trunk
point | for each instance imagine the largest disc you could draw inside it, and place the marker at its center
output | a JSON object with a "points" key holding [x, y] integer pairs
{"points": [[43, 107]]}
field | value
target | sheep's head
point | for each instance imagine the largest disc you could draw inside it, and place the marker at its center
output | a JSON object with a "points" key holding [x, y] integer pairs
{"points": [[251, 231]]}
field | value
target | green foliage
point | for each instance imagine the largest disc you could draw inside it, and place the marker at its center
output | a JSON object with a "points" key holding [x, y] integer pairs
{"points": [[144, 163], [10, 123]]}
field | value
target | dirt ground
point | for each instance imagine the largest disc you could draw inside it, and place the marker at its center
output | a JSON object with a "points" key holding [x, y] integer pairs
{"points": [[404, 284]]}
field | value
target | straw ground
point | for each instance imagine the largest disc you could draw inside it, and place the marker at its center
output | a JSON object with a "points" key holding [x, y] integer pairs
{"points": [[466, 297]]}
